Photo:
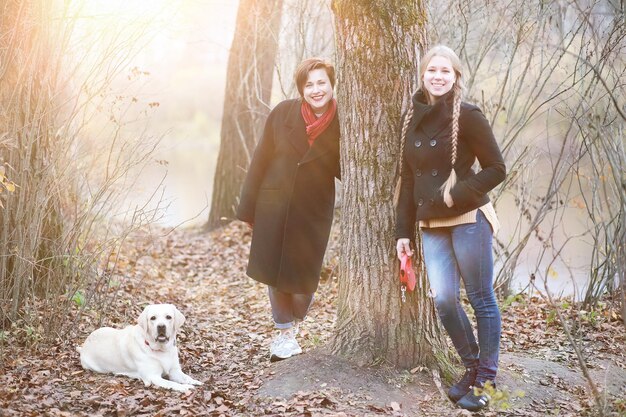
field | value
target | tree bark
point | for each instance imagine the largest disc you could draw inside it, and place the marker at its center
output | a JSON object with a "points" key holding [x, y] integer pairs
{"points": [[378, 48], [246, 103]]}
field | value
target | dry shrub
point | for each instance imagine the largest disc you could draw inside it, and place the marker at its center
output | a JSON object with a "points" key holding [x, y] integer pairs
{"points": [[57, 243]]}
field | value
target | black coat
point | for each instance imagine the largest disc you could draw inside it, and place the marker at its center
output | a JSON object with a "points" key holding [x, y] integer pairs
{"points": [[426, 163], [289, 196]]}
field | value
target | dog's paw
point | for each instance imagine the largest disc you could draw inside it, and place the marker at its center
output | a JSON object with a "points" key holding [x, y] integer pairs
{"points": [[186, 379], [185, 387]]}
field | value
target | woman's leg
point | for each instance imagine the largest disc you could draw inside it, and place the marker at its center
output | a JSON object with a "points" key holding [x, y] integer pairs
{"points": [[301, 305], [444, 279], [474, 257], [287, 308]]}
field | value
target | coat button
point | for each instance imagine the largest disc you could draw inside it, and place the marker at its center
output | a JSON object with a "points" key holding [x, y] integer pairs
{"points": [[420, 202], [434, 173], [433, 142], [418, 172], [418, 143], [431, 201]]}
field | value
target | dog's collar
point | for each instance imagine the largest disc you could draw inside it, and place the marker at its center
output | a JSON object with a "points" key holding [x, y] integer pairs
{"points": [[153, 349]]}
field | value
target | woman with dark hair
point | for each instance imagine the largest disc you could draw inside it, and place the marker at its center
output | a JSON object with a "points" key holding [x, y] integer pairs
{"points": [[442, 137], [289, 196]]}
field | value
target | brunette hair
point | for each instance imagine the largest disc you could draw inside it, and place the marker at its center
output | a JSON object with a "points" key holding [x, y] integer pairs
{"points": [[457, 90], [310, 64]]}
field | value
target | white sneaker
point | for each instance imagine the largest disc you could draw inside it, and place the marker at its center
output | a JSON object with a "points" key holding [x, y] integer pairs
{"points": [[278, 343], [284, 345], [278, 348], [292, 344]]}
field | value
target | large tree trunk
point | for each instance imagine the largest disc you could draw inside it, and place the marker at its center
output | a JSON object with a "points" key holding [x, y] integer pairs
{"points": [[246, 104], [378, 47]]}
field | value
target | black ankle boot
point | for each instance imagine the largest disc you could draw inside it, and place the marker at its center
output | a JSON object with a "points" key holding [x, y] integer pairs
{"points": [[458, 390], [477, 398]]}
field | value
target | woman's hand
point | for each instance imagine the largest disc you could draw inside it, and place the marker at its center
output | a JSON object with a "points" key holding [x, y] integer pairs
{"points": [[404, 246]]}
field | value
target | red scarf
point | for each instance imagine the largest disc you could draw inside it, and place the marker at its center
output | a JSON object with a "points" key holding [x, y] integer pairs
{"points": [[315, 126]]}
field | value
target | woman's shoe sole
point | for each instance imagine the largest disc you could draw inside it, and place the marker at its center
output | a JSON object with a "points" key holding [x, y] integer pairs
{"points": [[276, 358]]}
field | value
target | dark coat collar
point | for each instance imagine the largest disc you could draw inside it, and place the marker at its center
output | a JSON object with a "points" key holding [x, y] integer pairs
{"points": [[299, 139], [431, 118], [296, 127]]}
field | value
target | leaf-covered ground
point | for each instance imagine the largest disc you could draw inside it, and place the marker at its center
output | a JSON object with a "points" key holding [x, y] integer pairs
{"points": [[226, 337]]}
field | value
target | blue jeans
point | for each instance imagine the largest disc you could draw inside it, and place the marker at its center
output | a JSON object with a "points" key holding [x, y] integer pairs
{"points": [[465, 251], [287, 308]]}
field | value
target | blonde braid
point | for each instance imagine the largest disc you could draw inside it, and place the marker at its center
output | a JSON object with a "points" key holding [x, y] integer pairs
{"points": [[405, 127], [454, 138]]}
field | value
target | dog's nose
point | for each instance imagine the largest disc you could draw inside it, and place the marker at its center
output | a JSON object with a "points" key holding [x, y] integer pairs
{"points": [[161, 329]]}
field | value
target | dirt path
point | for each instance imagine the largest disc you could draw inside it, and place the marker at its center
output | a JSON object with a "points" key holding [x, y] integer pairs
{"points": [[225, 341]]}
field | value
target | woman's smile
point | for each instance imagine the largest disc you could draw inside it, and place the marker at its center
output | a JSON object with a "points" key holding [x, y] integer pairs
{"points": [[318, 91], [439, 76]]}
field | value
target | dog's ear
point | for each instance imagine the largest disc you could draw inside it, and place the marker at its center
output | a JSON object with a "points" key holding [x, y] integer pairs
{"points": [[179, 319], [142, 320]]}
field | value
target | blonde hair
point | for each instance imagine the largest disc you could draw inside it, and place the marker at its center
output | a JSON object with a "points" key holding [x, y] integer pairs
{"points": [[405, 126], [457, 90]]}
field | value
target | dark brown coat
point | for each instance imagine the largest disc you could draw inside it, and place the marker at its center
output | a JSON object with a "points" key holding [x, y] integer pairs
{"points": [[289, 196]]}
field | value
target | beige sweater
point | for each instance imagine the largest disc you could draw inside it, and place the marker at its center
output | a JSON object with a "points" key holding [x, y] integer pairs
{"points": [[469, 217]]}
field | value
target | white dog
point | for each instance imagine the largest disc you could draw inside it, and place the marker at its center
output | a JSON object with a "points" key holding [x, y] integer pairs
{"points": [[146, 351]]}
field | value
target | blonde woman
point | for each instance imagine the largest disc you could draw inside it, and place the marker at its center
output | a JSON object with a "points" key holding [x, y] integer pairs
{"points": [[442, 138]]}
